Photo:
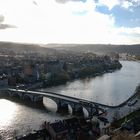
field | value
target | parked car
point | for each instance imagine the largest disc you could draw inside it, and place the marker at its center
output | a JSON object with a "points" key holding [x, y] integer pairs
{"points": [[131, 103]]}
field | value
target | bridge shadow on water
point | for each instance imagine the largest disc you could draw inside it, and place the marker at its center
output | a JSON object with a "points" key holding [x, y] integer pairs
{"points": [[27, 103]]}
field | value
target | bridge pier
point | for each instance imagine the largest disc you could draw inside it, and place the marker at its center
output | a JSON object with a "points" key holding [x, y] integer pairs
{"points": [[62, 106], [10, 93], [20, 95], [37, 99], [28, 97], [31, 97], [13, 94], [77, 109], [91, 111]]}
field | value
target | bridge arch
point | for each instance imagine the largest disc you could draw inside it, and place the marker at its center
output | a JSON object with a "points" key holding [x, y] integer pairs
{"points": [[49, 103], [28, 97], [92, 108], [13, 94], [63, 106], [77, 109], [38, 98]]}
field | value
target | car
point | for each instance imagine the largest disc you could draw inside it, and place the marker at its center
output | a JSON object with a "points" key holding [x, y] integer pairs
{"points": [[103, 119], [131, 103]]}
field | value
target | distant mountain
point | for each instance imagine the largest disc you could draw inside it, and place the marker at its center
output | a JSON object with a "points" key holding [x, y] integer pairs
{"points": [[52, 48], [20, 48], [97, 48]]}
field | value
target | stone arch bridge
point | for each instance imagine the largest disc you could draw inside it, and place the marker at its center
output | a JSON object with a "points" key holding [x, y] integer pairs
{"points": [[62, 101]]}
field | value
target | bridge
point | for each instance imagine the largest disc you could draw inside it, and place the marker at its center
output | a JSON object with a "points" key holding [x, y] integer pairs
{"points": [[62, 101]]}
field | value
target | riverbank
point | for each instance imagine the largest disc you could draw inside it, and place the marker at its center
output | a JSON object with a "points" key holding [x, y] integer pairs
{"points": [[118, 123], [129, 109], [125, 125], [76, 71]]}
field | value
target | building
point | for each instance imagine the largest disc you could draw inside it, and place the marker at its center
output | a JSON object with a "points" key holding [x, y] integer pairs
{"points": [[57, 130], [31, 73]]}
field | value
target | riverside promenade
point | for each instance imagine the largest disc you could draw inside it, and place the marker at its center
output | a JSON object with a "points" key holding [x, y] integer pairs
{"points": [[117, 112]]}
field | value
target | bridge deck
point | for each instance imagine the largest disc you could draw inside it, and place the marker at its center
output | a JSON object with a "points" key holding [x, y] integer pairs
{"points": [[60, 96]]}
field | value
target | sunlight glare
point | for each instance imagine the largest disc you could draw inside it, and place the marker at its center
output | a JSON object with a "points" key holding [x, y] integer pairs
{"points": [[7, 109]]}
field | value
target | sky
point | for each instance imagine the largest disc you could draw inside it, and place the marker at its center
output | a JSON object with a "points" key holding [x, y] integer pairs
{"points": [[70, 21]]}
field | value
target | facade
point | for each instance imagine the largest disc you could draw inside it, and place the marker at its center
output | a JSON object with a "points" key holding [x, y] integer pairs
{"points": [[31, 73], [57, 130]]}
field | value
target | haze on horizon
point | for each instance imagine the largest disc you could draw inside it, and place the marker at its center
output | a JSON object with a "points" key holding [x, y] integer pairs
{"points": [[70, 21]]}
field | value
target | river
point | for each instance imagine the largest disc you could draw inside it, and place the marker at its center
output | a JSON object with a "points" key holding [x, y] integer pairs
{"points": [[110, 88]]}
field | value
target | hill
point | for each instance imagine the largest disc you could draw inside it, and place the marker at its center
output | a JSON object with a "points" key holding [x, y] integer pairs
{"points": [[98, 48], [19, 48]]}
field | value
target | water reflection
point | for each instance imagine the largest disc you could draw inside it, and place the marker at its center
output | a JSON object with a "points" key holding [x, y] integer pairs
{"points": [[7, 112]]}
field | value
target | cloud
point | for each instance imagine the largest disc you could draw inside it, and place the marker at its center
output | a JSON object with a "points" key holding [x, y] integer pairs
{"points": [[129, 31], [109, 3], [4, 26], [135, 2], [35, 3], [1, 18], [64, 1], [127, 4], [72, 22], [122, 3]]}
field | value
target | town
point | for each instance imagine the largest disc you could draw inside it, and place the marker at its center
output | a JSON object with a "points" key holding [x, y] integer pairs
{"points": [[33, 68]]}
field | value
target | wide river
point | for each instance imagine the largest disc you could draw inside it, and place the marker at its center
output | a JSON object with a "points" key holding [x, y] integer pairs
{"points": [[110, 88]]}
